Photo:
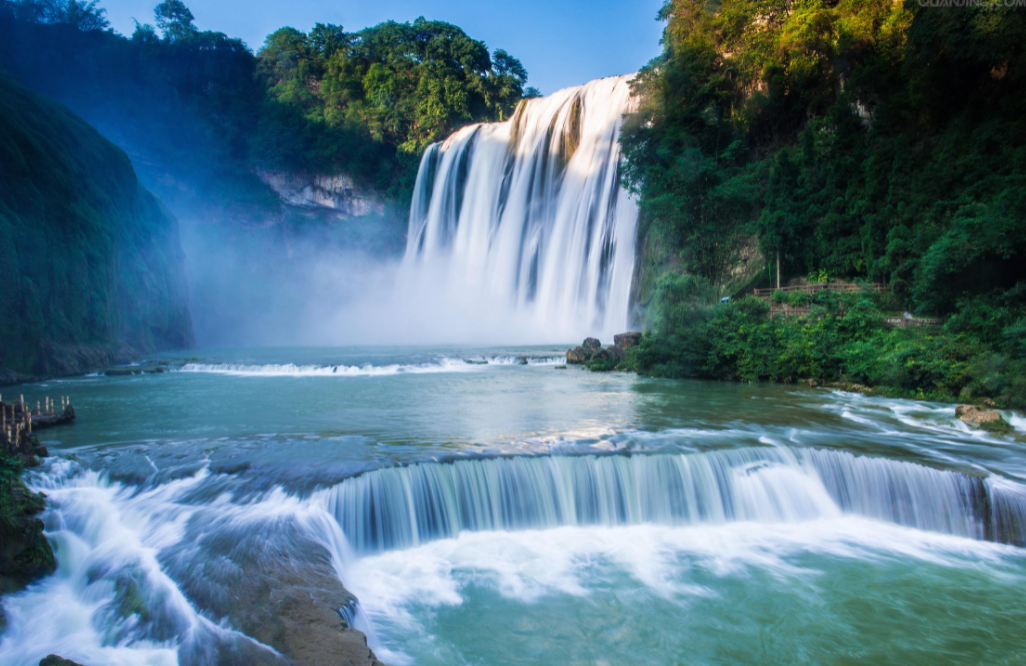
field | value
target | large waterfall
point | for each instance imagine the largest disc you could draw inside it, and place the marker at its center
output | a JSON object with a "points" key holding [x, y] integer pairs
{"points": [[525, 222]]}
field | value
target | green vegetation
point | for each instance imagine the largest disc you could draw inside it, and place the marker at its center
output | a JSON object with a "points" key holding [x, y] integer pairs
{"points": [[25, 553], [204, 106], [843, 340], [88, 257], [868, 139]]}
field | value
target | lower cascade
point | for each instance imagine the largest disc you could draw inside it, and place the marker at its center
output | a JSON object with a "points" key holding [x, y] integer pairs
{"points": [[528, 218], [406, 506]]}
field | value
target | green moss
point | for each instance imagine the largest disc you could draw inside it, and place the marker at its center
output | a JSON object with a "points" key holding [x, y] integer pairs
{"points": [[1001, 427], [25, 554]]}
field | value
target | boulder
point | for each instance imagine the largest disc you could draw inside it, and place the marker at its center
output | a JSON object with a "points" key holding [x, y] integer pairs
{"points": [[592, 343], [626, 340], [983, 419], [578, 355]]}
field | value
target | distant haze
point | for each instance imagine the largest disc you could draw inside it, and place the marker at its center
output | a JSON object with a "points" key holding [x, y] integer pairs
{"points": [[560, 42]]}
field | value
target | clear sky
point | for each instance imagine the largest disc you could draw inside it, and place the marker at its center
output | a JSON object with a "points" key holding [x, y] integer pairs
{"points": [[560, 42]]}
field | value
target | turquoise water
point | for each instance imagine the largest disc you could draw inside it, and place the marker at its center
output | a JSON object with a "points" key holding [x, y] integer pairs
{"points": [[232, 463]]}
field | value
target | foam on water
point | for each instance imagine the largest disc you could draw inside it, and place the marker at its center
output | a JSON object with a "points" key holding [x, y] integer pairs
{"points": [[444, 364], [529, 525], [530, 566], [110, 601]]}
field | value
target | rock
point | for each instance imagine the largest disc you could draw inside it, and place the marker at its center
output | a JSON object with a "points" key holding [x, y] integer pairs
{"points": [[578, 355], [25, 554], [592, 343], [982, 419], [560, 367], [54, 660], [626, 340]]}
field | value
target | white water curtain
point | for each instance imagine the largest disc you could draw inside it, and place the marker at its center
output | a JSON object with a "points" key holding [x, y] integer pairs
{"points": [[525, 221]]}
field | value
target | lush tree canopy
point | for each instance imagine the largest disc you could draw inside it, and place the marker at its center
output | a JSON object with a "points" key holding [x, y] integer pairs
{"points": [[874, 139], [365, 103], [408, 84], [865, 139]]}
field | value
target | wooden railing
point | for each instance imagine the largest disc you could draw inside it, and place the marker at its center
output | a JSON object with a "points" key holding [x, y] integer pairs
{"points": [[823, 286], [790, 312], [912, 321]]}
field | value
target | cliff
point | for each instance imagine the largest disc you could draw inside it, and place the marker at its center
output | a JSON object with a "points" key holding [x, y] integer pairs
{"points": [[90, 261]]}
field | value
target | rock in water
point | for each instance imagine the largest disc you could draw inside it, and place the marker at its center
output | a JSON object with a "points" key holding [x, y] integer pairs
{"points": [[626, 340], [54, 660], [578, 355], [983, 419], [592, 344]]}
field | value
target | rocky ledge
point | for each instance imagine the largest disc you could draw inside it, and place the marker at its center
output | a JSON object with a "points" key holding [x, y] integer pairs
{"points": [[596, 357]]}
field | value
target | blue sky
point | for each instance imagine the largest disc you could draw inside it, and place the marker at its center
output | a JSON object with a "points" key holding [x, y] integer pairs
{"points": [[560, 42]]}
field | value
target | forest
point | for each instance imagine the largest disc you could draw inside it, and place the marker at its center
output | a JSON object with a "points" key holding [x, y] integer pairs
{"points": [[868, 141], [364, 103]]}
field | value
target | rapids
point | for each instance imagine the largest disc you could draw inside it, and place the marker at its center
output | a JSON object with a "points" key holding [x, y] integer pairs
{"points": [[511, 513]]}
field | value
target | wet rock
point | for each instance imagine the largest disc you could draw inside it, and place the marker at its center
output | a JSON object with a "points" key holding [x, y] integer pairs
{"points": [[560, 367], [578, 355], [982, 419], [592, 344], [25, 554], [54, 660], [281, 591]]}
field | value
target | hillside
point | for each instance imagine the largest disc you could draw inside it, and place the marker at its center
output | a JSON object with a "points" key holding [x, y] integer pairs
{"points": [[90, 262], [863, 141]]}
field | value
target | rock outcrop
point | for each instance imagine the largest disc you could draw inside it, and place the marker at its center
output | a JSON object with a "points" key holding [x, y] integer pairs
{"points": [[338, 193], [982, 419]]}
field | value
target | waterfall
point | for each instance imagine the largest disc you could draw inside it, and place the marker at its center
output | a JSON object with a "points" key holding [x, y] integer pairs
{"points": [[406, 506], [525, 220]]}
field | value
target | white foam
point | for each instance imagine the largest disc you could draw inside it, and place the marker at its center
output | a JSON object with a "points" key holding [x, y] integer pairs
{"points": [[444, 364], [104, 533], [527, 566]]}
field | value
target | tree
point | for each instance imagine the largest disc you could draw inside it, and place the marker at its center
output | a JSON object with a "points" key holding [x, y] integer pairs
{"points": [[84, 15], [326, 39], [79, 14], [175, 20], [503, 64]]}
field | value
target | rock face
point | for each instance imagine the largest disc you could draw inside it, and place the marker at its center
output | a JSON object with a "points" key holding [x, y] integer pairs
{"points": [[338, 193], [625, 340], [983, 419]]}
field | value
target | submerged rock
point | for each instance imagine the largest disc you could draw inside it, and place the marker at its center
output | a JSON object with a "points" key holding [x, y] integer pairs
{"points": [[982, 419]]}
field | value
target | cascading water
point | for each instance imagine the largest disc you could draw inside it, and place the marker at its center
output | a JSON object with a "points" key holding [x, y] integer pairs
{"points": [[525, 221], [407, 506]]}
